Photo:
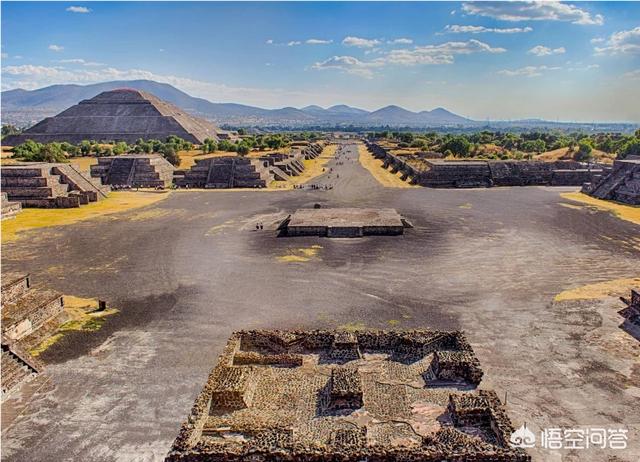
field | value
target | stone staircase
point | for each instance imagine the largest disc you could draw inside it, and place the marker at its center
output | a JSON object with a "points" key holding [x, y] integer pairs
{"points": [[49, 185], [621, 184], [137, 171], [18, 367]]}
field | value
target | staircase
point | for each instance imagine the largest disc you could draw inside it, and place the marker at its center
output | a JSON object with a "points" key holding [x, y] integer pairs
{"points": [[16, 369], [120, 171]]}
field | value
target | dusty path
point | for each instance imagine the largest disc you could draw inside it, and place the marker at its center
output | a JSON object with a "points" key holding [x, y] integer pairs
{"points": [[191, 269]]}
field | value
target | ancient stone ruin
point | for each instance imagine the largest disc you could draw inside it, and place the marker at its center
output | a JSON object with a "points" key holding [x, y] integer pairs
{"points": [[226, 172], [247, 172], [119, 115], [9, 209], [50, 185], [632, 312], [134, 170], [351, 396], [343, 222], [620, 183], [24, 311], [423, 170]]}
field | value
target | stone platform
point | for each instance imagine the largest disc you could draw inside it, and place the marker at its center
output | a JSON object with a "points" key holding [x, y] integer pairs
{"points": [[340, 395], [344, 222]]}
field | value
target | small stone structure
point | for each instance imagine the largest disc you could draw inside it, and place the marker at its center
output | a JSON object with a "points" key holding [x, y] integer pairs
{"points": [[119, 115], [423, 170], [376, 405], [621, 183], [50, 185], [134, 170], [632, 312], [226, 172], [343, 222], [9, 209], [24, 310]]}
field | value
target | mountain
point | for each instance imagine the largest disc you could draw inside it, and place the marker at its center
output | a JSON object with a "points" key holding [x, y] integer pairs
{"points": [[24, 107]]}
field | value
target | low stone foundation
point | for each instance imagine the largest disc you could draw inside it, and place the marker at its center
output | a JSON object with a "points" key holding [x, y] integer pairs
{"points": [[365, 406], [345, 222]]}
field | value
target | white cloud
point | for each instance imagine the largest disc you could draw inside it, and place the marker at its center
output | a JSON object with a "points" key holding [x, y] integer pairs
{"points": [[421, 55], [580, 67], [56, 48], [527, 71], [401, 41], [360, 42], [541, 50], [533, 11], [633, 75], [78, 9], [314, 41], [623, 42], [293, 43], [457, 29], [350, 65], [269, 42], [597, 40], [80, 61]]}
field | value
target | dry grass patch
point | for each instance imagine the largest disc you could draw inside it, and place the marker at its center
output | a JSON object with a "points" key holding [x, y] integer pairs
{"points": [[599, 290], [381, 174], [625, 212], [81, 314], [118, 201]]}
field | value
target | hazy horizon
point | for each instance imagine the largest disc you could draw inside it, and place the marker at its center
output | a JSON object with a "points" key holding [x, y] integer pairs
{"points": [[498, 61]]}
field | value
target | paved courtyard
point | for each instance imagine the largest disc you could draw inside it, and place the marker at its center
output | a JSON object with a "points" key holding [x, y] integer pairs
{"points": [[188, 271]]}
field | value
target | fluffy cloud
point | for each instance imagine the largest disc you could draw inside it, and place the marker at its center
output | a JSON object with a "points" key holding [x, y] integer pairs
{"points": [[360, 42], [443, 53], [457, 29], [527, 71], [78, 9], [533, 11], [350, 65], [82, 62], [623, 42], [56, 48], [401, 41], [541, 50], [294, 43], [314, 41]]}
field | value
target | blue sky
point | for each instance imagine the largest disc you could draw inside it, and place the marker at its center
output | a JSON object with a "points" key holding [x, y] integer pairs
{"points": [[558, 61]]}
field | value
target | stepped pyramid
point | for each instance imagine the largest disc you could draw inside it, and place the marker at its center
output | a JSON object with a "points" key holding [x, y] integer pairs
{"points": [[120, 115], [134, 170], [227, 172]]}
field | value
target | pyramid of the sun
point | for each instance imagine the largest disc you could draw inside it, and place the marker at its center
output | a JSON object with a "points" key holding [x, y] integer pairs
{"points": [[120, 115]]}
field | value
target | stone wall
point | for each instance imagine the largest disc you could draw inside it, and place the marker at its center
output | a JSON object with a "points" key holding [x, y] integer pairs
{"points": [[425, 170]]}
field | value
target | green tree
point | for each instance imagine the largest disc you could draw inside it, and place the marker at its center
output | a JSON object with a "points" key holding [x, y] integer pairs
{"points": [[169, 153], [630, 148], [458, 145], [243, 149], [584, 152]]}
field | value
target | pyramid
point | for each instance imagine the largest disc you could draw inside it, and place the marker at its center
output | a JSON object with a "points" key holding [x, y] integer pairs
{"points": [[120, 115]]}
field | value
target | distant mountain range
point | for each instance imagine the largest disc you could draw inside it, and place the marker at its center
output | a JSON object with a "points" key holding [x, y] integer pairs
{"points": [[24, 107]]}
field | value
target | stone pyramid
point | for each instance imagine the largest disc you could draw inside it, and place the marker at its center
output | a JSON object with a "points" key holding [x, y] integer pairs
{"points": [[120, 115]]}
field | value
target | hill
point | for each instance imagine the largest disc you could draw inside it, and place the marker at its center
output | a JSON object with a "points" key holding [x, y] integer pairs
{"points": [[24, 108]]}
